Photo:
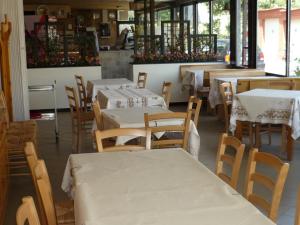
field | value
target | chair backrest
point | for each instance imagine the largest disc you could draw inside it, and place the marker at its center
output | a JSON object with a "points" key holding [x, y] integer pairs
{"points": [[166, 120], [281, 85], [81, 92], [118, 132], [3, 106], [45, 191], [166, 92], [194, 106], [275, 186], [142, 78], [73, 101], [226, 91], [233, 161], [32, 159], [97, 114], [26, 213]]}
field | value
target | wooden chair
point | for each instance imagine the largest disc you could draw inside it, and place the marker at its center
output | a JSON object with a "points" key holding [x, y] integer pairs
{"points": [[226, 91], [32, 159], [297, 215], [80, 117], [194, 105], [152, 122], [112, 133], [84, 101], [97, 114], [142, 78], [55, 213], [26, 213], [166, 92], [233, 161], [17, 134], [275, 186]]}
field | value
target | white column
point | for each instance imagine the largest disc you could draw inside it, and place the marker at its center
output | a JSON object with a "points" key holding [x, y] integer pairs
{"points": [[14, 11]]}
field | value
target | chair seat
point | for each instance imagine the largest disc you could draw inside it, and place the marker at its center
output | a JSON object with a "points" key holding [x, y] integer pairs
{"points": [[85, 116], [65, 212]]}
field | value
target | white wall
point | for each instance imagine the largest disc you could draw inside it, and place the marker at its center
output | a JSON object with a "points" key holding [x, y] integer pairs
{"points": [[158, 73], [14, 11], [63, 76]]}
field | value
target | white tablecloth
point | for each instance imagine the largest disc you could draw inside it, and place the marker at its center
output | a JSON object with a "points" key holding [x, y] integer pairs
{"points": [[267, 106], [134, 118], [215, 97], [93, 86], [193, 78], [129, 98], [153, 187]]}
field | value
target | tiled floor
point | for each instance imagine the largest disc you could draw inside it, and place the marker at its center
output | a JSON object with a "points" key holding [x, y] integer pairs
{"points": [[56, 155]]}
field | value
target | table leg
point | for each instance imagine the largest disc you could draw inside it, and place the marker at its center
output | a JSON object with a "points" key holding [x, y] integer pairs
{"points": [[289, 143], [239, 130], [257, 135]]}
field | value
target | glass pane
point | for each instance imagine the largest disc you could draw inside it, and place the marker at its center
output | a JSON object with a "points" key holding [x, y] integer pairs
{"points": [[295, 39], [221, 27], [188, 16], [161, 15], [242, 41], [271, 39], [203, 18]]}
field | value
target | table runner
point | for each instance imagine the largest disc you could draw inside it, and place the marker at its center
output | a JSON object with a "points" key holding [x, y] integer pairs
{"points": [[153, 187], [129, 98], [93, 86], [134, 118], [267, 106], [215, 97]]}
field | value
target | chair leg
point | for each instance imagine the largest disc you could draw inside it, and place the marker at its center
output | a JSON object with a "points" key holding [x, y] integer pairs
{"points": [[270, 134], [251, 135]]}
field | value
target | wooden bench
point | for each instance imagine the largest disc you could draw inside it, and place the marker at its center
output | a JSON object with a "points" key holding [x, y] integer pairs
{"points": [[268, 83]]}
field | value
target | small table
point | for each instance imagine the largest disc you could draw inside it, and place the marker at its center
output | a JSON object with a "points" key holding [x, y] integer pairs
{"points": [[157, 187], [268, 106], [129, 98], [134, 118], [93, 86]]}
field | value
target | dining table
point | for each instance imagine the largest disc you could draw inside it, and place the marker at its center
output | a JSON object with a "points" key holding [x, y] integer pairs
{"points": [[134, 118], [268, 106], [153, 187], [129, 98], [93, 86], [215, 97]]}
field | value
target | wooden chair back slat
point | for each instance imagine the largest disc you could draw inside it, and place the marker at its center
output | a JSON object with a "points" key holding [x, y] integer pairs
{"points": [[184, 128], [45, 191], [194, 105], [233, 161], [142, 78], [166, 92], [73, 101], [81, 92], [135, 132], [97, 114], [276, 186], [26, 213]]}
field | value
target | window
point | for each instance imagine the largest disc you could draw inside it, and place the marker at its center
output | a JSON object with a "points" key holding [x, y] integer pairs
{"points": [[271, 36], [295, 37], [188, 15], [221, 27], [242, 29], [203, 18], [161, 15]]}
